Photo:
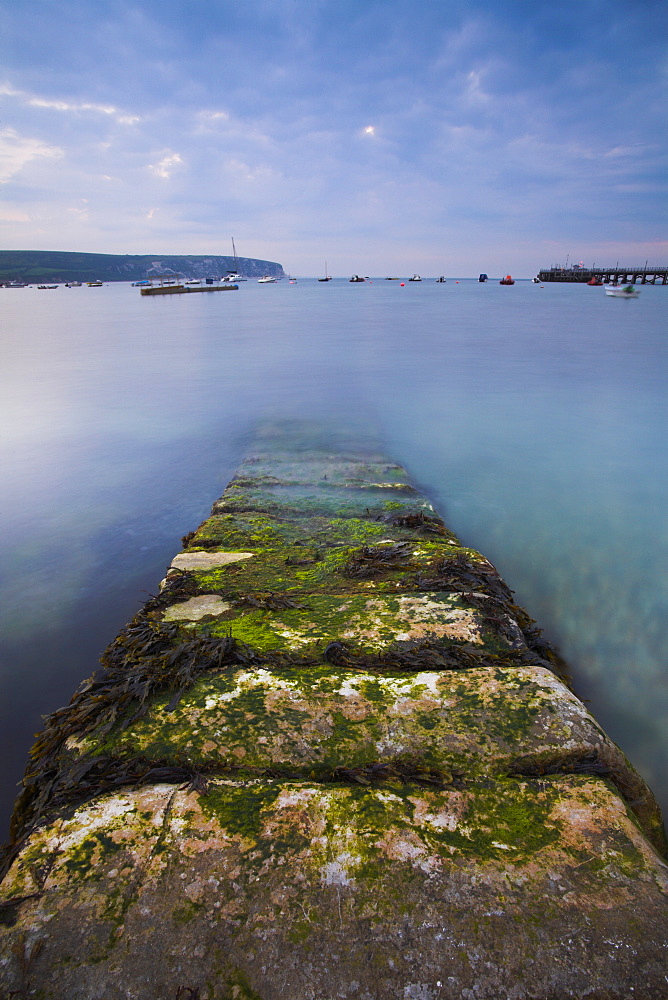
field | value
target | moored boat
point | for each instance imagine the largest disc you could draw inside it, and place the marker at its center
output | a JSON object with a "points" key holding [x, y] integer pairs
{"points": [[416, 277], [44, 287], [482, 277], [233, 275], [622, 291], [267, 279], [327, 276], [95, 284], [441, 280], [507, 280], [356, 278]]}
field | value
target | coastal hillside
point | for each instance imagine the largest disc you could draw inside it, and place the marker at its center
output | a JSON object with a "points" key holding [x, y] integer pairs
{"points": [[56, 265]]}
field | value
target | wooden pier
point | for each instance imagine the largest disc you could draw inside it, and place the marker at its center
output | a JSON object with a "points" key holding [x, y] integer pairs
{"points": [[643, 275]]}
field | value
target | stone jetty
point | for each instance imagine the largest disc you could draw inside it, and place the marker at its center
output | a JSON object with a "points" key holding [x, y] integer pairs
{"points": [[332, 758]]}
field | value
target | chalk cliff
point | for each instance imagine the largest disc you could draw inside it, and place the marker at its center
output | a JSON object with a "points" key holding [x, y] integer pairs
{"points": [[55, 265]]}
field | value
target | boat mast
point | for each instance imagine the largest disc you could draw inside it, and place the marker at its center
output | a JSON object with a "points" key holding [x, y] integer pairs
{"points": [[234, 254]]}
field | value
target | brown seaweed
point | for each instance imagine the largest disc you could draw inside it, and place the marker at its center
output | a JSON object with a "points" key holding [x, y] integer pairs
{"points": [[375, 560]]}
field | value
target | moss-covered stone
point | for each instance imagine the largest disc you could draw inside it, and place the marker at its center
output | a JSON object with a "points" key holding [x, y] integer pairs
{"points": [[329, 760], [315, 720], [530, 889], [374, 623]]}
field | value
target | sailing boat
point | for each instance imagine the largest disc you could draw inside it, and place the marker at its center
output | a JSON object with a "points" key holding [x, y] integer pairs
{"points": [[327, 276], [234, 275]]}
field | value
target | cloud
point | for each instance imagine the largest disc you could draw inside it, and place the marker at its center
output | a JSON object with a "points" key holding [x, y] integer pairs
{"points": [[55, 104], [16, 151], [295, 125], [165, 168]]}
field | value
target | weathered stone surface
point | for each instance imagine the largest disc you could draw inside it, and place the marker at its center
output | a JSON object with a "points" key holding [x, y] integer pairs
{"points": [[196, 608], [537, 889], [208, 560], [475, 723], [376, 622], [332, 759]]}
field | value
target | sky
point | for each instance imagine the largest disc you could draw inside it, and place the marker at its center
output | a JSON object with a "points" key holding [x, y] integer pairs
{"points": [[383, 137]]}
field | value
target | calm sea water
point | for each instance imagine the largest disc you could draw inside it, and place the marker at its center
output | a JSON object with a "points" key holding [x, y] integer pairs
{"points": [[535, 417]]}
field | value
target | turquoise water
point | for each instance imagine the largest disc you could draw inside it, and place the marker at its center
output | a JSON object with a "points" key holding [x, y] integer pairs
{"points": [[534, 416]]}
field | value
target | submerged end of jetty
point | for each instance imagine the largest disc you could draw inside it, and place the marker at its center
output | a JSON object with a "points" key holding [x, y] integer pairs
{"points": [[332, 758]]}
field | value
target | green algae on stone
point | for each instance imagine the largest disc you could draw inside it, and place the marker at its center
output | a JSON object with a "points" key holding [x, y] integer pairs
{"points": [[323, 813], [374, 622], [295, 501], [316, 720], [268, 866], [320, 569]]}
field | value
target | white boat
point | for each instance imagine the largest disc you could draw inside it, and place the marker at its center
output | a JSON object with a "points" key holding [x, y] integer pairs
{"points": [[622, 291], [268, 279], [72, 284], [416, 277], [234, 275]]}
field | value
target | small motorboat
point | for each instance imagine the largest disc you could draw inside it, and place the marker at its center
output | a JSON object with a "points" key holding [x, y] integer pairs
{"points": [[268, 279], [43, 287], [594, 281], [72, 284], [441, 280], [622, 291], [536, 281], [416, 277], [507, 280], [356, 278], [94, 284], [482, 277]]}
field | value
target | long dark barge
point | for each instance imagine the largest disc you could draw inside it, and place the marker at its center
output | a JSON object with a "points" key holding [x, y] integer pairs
{"points": [[186, 289]]}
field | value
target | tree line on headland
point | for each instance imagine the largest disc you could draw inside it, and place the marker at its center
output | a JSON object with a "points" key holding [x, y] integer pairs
{"points": [[57, 265]]}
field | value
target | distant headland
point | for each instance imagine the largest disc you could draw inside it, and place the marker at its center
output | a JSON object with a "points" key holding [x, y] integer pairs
{"points": [[57, 265]]}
